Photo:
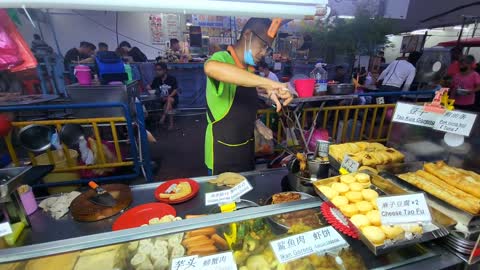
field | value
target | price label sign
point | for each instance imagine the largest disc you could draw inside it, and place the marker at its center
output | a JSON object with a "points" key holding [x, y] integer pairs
{"points": [[5, 229], [456, 122], [401, 209], [301, 245], [218, 197], [349, 164], [229, 195], [414, 115], [221, 261], [184, 263], [327, 238], [240, 189], [292, 247]]}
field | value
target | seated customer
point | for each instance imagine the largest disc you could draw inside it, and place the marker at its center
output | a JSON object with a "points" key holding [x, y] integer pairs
{"points": [[81, 55], [136, 54], [166, 87]]}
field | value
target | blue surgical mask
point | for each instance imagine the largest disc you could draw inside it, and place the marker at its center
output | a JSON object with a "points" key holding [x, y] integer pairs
{"points": [[247, 54]]}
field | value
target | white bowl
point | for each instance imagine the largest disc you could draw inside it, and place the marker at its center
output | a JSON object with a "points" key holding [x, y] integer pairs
{"points": [[152, 92]]}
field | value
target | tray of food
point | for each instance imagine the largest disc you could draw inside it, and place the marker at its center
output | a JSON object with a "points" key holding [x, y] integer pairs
{"points": [[253, 251], [285, 221], [176, 191], [158, 252], [451, 190], [365, 153], [355, 196]]}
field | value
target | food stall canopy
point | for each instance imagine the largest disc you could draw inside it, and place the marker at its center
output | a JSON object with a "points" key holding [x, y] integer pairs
{"points": [[249, 8], [439, 13], [467, 42]]}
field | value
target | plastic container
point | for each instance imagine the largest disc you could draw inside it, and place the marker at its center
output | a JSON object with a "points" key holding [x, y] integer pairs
{"points": [[304, 87], [82, 73], [60, 163], [320, 75]]}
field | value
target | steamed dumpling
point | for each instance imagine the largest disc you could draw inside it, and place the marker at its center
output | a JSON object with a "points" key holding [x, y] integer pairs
{"points": [[178, 251]]}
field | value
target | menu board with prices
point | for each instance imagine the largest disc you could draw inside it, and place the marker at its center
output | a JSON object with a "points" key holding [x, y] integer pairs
{"points": [[404, 209], [304, 244], [456, 122], [221, 261], [229, 195]]}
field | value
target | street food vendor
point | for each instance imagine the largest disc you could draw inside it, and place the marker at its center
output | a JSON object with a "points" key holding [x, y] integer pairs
{"points": [[232, 98]]}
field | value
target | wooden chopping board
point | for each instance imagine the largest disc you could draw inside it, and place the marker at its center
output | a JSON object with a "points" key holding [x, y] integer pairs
{"points": [[84, 210]]}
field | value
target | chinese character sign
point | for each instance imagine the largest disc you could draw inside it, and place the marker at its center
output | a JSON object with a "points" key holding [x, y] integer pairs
{"points": [[401, 209]]}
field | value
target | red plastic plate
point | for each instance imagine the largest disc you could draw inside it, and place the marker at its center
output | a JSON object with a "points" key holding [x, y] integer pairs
{"points": [[141, 214], [164, 186]]}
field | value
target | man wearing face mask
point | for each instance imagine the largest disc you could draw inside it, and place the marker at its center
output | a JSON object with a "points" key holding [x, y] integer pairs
{"points": [[232, 98], [465, 84]]}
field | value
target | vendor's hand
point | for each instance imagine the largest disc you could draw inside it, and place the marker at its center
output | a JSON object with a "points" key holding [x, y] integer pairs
{"points": [[276, 91]]}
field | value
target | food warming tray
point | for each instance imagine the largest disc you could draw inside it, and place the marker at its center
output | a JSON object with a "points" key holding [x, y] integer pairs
{"points": [[390, 173], [437, 229]]}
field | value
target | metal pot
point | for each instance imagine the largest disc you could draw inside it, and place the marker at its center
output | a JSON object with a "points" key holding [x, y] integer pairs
{"points": [[318, 169], [35, 138], [340, 89], [300, 183]]}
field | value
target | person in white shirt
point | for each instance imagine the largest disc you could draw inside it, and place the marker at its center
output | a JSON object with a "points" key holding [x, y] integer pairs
{"points": [[265, 71], [400, 73]]}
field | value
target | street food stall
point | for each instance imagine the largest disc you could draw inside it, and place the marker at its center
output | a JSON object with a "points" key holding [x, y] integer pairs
{"points": [[410, 204]]}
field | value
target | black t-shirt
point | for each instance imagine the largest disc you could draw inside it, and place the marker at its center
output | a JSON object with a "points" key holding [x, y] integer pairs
{"points": [[170, 83], [73, 55], [137, 55]]}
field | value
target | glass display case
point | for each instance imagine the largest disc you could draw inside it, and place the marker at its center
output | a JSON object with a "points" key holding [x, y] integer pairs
{"points": [[244, 239]]}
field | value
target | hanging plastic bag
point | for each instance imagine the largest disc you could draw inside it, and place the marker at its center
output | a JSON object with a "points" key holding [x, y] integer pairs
{"points": [[263, 139], [15, 53]]}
